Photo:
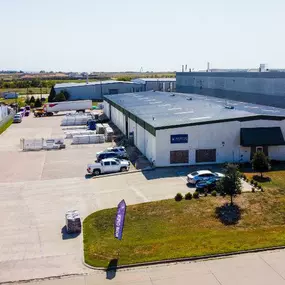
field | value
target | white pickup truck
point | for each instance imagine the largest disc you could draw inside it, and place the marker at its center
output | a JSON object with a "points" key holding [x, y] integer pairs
{"points": [[108, 165]]}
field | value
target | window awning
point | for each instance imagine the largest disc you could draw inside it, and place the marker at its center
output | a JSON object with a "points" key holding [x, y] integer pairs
{"points": [[261, 136]]}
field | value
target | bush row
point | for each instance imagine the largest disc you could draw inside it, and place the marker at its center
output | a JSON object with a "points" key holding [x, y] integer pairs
{"points": [[178, 197]]}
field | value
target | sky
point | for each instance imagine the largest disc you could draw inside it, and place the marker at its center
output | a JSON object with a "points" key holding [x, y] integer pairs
{"points": [[130, 35]]}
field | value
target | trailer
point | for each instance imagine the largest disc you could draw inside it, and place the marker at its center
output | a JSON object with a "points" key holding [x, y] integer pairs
{"points": [[54, 107]]}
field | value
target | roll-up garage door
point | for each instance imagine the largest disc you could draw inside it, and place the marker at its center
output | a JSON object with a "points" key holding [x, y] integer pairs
{"points": [[179, 156], [205, 155]]}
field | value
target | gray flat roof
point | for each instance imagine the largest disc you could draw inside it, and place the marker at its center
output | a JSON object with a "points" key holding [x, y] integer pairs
{"points": [[164, 109], [164, 79], [74, 84]]}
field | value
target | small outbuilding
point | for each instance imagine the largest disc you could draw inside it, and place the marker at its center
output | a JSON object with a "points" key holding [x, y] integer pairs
{"points": [[189, 129]]}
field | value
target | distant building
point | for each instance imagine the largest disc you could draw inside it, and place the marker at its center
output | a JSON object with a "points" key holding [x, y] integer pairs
{"points": [[157, 84], [96, 90], [263, 87]]}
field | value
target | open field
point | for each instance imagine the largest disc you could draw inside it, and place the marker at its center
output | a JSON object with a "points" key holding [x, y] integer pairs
{"points": [[23, 91], [168, 229]]}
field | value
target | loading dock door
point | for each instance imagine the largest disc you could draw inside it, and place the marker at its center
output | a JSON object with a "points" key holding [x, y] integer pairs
{"points": [[179, 156], [205, 155]]}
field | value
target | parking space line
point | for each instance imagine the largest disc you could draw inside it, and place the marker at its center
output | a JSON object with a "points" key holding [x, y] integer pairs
{"points": [[139, 193]]}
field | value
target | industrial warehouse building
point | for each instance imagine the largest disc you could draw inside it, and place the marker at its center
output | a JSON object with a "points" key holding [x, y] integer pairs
{"points": [[157, 84], [96, 90], [265, 88], [178, 129]]}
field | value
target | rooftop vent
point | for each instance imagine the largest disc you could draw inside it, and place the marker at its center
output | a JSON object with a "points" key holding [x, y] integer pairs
{"points": [[172, 95], [190, 99], [229, 107]]}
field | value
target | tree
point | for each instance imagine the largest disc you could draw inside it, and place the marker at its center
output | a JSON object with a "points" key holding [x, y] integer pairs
{"points": [[38, 103], [27, 101], [32, 100], [260, 162], [52, 94], [60, 97], [231, 183]]}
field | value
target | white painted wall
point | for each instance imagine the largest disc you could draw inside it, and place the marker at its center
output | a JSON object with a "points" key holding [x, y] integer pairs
{"points": [[212, 136], [118, 119], [106, 109], [3, 112]]}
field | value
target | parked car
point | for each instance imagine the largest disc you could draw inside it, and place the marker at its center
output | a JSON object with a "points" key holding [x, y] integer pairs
{"points": [[201, 175], [108, 166], [17, 118], [27, 111], [208, 185], [105, 155], [22, 111], [120, 151]]}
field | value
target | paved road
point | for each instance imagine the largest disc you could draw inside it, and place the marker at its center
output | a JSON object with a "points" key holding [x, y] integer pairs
{"points": [[250, 269]]}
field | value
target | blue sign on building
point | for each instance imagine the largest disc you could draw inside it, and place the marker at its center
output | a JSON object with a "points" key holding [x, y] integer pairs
{"points": [[179, 139]]}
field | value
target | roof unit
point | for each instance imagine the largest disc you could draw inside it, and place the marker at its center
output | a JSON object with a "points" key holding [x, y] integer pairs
{"points": [[229, 107]]}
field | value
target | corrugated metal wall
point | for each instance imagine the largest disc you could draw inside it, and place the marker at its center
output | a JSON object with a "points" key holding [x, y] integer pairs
{"points": [[265, 88], [96, 91]]}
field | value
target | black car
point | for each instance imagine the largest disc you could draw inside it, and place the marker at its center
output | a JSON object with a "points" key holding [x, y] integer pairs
{"points": [[104, 155]]}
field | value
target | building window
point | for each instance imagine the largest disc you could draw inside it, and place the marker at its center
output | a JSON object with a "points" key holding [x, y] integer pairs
{"points": [[179, 156], [205, 155]]}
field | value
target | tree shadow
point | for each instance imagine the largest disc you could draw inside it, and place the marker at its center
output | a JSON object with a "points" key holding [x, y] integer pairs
{"points": [[228, 214], [112, 269], [65, 235], [261, 179]]}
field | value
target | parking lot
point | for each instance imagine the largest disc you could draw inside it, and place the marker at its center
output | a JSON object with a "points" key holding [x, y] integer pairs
{"points": [[38, 187]]}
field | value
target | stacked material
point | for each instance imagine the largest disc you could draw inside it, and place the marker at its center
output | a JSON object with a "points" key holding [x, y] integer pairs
{"points": [[73, 221], [74, 120], [32, 144], [70, 134], [100, 129], [109, 134], [106, 125], [74, 128], [88, 139], [39, 144]]}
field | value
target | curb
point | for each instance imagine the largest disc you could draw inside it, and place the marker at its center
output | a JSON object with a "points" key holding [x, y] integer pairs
{"points": [[123, 173], [180, 260]]}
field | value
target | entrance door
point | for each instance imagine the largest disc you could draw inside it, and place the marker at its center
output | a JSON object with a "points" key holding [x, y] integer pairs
{"points": [[254, 149]]}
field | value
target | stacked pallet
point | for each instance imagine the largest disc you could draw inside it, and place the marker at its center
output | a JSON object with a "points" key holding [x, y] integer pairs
{"points": [[88, 139], [73, 221], [74, 128], [74, 120], [70, 134], [100, 129], [109, 134]]}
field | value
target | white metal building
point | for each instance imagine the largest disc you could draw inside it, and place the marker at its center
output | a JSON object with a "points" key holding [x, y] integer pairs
{"points": [[157, 84], [186, 129], [3, 112], [96, 90]]}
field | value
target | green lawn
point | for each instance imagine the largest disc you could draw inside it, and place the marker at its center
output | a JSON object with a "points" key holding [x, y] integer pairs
{"points": [[168, 229], [6, 126]]}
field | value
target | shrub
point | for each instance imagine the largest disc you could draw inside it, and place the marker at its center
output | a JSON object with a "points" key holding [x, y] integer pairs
{"points": [[246, 180], [178, 197], [188, 196], [239, 191], [214, 193], [261, 188], [206, 194], [196, 195], [251, 181], [255, 183], [252, 189]]}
